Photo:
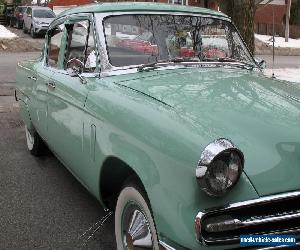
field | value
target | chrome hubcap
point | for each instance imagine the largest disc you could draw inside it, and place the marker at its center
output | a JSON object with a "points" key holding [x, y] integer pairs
{"points": [[136, 230]]}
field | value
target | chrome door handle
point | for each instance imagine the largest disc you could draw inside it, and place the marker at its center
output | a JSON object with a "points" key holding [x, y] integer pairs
{"points": [[51, 84], [32, 78]]}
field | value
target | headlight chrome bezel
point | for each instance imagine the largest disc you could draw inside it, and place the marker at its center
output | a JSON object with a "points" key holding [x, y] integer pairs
{"points": [[213, 151]]}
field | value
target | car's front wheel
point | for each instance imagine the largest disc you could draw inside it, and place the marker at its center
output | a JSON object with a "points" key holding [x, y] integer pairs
{"points": [[134, 224], [35, 143], [19, 24], [24, 28], [32, 33]]}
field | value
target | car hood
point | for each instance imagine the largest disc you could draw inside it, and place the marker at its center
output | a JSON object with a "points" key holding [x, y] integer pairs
{"points": [[260, 115], [44, 20]]}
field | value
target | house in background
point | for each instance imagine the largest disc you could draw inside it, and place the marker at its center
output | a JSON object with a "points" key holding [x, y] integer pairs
{"points": [[264, 18], [59, 5]]}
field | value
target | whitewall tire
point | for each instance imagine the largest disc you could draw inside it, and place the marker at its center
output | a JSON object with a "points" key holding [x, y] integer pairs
{"points": [[134, 224], [34, 142]]}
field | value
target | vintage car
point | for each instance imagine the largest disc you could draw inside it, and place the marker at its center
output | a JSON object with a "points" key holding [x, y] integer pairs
{"points": [[190, 150]]}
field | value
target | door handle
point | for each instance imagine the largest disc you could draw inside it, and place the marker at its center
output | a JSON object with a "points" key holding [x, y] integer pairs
{"points": [[51, 84], [32, 78]]}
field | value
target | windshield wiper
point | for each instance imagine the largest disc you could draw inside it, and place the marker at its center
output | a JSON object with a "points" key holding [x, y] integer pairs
{"points": [[157, 64], [228, 59]]}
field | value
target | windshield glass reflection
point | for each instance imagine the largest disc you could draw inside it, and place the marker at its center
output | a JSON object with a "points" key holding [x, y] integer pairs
{"points": [[142, 39]]}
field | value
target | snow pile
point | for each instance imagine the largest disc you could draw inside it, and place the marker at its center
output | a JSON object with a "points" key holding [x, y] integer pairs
{"points": [[6, 34], [288, 74], [279, 41]]}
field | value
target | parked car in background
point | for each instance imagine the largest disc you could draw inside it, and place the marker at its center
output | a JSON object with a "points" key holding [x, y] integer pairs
{"points": [[189, 143], [17, 17], [8, 13], [36, 20]]}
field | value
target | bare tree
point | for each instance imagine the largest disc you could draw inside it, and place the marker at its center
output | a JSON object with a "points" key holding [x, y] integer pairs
{"points": [[242, 13], [287, 20]]}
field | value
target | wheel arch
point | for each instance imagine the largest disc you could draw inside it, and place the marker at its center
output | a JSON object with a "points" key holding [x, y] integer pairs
{"points": [[24, 110], [114, 173]]}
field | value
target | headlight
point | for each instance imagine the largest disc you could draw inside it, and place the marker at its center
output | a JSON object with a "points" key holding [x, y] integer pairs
{"points": [[37, 22], [220, 167]]}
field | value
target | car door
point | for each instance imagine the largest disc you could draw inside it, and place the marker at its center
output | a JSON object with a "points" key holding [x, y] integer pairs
{"points": [[43, 73], [67, 95]]}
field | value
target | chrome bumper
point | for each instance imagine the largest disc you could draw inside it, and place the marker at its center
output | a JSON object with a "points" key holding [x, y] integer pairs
{"points": [[276, 214]]}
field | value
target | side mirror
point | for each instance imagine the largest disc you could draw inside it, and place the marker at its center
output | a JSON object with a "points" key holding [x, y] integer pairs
{"points": [[75, 65], [261, 63], [72, 72], [75, 68]]}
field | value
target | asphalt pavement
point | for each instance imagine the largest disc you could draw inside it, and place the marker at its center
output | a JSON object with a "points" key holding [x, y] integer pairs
{"points": [[42, 206]]}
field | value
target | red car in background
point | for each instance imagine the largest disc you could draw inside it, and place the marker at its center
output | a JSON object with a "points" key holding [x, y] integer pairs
{"points": [[17, 17]]}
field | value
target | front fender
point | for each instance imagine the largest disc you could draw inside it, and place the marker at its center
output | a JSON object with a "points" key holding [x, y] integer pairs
{"points": [[163, 149]]}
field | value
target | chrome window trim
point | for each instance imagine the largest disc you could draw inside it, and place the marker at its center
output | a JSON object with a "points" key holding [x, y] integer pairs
{"points": [[261, 200], [166, 246], [106, 67]]}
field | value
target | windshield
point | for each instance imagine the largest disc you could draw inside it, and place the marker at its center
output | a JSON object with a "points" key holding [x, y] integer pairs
{"points": [[21, 9], [141, 39], [40, 13]]}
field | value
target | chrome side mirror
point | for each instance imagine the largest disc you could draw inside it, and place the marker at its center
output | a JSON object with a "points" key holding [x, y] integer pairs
{"points": [[261, 63], [72, 72], [75, 68], [76, 65]]}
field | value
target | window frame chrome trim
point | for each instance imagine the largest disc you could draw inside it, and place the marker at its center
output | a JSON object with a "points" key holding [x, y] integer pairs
{"points": [[106, 68]]}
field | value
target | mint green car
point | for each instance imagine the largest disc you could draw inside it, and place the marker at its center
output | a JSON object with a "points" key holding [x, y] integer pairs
{"points": [[186, 141]]}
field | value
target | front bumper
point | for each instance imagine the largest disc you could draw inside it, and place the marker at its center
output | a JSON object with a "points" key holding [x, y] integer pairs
{"points": [[41, 29], [276, 214]]}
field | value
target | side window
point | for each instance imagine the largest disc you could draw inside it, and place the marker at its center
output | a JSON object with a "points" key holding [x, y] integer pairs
{"points": [[81, 47], [55, 45]]}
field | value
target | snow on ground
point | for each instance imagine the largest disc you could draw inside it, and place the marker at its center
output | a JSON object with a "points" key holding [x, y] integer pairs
{"points": [[288, 74], [279, 41], [6, 34]]}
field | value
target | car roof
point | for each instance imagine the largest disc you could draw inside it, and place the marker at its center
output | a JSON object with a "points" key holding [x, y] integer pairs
{"points": [[39, 7], [139, 6]]}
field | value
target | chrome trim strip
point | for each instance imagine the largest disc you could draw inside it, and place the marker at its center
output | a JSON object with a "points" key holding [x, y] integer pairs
{"points": [[166, 246], [247, 223], [259, 201]]}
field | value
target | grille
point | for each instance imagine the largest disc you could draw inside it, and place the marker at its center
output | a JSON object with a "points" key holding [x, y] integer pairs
{"points": [[278, 214]]}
